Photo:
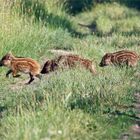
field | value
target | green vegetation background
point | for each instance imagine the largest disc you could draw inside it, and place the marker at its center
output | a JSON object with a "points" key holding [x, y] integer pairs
{"points": [[69, 104]]}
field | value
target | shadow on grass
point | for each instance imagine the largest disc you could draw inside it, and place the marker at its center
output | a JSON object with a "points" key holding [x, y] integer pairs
{"points": [[86, 104], [135, 32], [120, 113], [94, 30], [75, 7], [37, 10], [2, 109], [97, 103], [131, 3]]}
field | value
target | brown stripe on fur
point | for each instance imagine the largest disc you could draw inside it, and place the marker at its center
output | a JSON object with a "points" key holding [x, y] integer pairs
{"points": [[69, 61], [127, 57], [20, 64]]}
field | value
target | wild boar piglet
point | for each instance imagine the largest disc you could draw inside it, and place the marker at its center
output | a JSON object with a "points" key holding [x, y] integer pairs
{"points": [[124, 57], [21, 64]]}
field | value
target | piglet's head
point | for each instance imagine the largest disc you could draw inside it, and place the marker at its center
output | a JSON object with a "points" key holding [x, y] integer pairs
{"points": [[106, 60], [6, 59]]}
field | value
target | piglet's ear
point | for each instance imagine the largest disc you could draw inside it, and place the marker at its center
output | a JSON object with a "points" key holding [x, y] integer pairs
{"points": [[9, 55], [108, 54]]}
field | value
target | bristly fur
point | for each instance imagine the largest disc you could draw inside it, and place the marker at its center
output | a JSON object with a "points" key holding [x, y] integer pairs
{"points": [[69, 61], [124, 57], [20, 64]]}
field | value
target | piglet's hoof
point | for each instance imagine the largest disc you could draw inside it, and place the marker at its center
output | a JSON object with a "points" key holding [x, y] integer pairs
{"points": [[17, 76]]}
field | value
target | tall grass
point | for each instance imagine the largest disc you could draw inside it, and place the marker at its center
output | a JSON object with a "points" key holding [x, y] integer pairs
{"points": [[50, 14], [68, 104], [111, 18]]}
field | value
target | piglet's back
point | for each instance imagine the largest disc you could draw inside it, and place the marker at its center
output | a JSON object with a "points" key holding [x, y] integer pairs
{"points": [[73, 60], [26, 64], [125, 55]]}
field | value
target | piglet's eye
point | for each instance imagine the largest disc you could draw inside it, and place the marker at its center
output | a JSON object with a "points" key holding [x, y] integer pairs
{"points": [[8, 58]]}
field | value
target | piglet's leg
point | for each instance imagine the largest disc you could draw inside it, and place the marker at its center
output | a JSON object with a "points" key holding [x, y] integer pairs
{"points": [[8, 72], [132, 63], [31, 79], [14, 73]]}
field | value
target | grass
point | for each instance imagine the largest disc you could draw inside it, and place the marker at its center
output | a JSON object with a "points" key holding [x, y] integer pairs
{"points": [[69, 104], [110, 18]]}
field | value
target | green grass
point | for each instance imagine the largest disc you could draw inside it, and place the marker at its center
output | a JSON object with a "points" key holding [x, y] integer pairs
{"points": [[69, 104], [110, 18]]}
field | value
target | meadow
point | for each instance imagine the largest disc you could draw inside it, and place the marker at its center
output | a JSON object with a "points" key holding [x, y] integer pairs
{"points": [[71, 104]]}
